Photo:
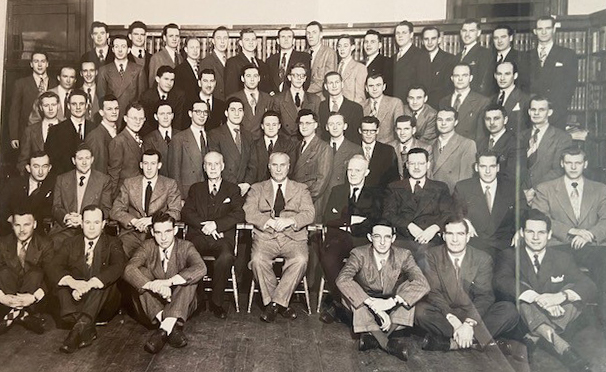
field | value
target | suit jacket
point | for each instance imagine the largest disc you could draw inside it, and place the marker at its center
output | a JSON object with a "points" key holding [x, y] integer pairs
{"points": [[15, 195], [91, 55], [147, 262], [285, 105], [124, 158], [70, 259], [480, 60], [471, 114], [468, 297], [259, 208], [402, 158], [273, 66], [165, 198], [93, 104], [322, 62], [32, 141], [239, 166], [225, 208], [340, 208], [24, 97], [412, 69], [552, 199], [455, 163], [34, 113], [509, 152], [211, 61], [126, 88], [98, 140], [252, 121], [382, 65], [61, 144], [400, 276], [162, 58], [314, 166], [155, 140], [187, 82], [383, 166], [216, 117], [185, 160], [513, 56], [353, 114], [261, 157], [547, 166], [440, 84], [150, 100], [37, 258], [143, 62], [390, 109], [338, 175], [426, 123], [354, 81], [65, 199], [516, 106], [233, 73], [431, 206]]}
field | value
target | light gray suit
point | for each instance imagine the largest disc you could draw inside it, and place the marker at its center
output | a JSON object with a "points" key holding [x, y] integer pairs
{"points": [[323, 61], [402, 158], [455, 162], [354, 80], [32, 141], [185, 160], [389, 110], [161, 58], [426, 123]]}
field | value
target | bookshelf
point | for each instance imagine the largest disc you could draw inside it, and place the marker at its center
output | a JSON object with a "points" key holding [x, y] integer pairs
{"points": [[596, 88]]}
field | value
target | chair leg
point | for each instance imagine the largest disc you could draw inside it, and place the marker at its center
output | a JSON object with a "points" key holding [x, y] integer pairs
{"points": [[320, 293], [251, 294], [234, 285], [306, 294]]}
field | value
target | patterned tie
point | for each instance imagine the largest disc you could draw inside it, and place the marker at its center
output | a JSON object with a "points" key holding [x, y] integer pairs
{"points": [[404, 155], [575, 200], [148, 195], [501, 99], [533, 146], [463, 53], [163, 97], [22, 252], [81, 183], [41, 85], [138, 139], [457, 268], [165, 260], [238, 140], [140, 53], [488, 196], [101, 56], [297, 100], [66, 105], [536, 263], [89, 254], [375, 109], [121, 71], [440, 146], [80, 133], [253, 103], [490, 143], [282, 70], [202, 143], [167, 138], [335, 107], [457, 102], [270, 148], [215, 191], [197, 69], [253, 60], [367, 153], [303, 146], [89, 100], [542, 54], [279, 202], [340, 68], [499, 59]]}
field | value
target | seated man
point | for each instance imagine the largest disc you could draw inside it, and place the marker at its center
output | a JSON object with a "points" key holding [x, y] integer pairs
{"points": [[381, 284], [142, 196], [166, 271], [460, 310], [211, 211], [83, 273], [23, 257], [553, 289], [280, 210]]}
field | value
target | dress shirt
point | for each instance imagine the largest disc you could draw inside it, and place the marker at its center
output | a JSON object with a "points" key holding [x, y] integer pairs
{"points": [[371, 58], [403, 50], [105, 50], [111, 129], [315, 50], [433, 54], [497, 136], [547, 49], [413, 182], [338, 99], [33, 185], [463, 94], [377, 100], [372, 148], [307, 141], [172, 53], [216, 183], [468, 47], [542, 130], [444, 138], [358, 191], [231, 128], [294, 91], [124, 63], [378, 258], [208, 100], [503, 53], [492, 187], [162, 93], [460, 256], [580, 183], [221, 55], [44, 78], [274, 184], [46, 127], [133, 134], [134, 50], [507, 92], [62, 95], [338, 141], [196, 131], [163, 132], [267, 139], [80, 190]]}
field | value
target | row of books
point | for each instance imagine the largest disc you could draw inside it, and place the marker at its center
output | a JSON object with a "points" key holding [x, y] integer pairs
{"points": [[598, 40], [579, 99], [596, 97], [597, 69]]}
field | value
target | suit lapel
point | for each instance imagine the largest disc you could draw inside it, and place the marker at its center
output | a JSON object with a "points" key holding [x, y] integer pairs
{"points": [[91, 190], [72, 196], [191, 148], [500, 205], [590, 196], [138, 195], [451, 146], [564, 200], [158, 192]]}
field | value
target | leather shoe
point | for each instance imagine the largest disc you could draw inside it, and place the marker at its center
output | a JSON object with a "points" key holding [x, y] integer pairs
{"points": [[287, 312], [367, 342], [4, 326], [435, 343], [218, 310], [574, 361], [177, 338], [328, 314], [70, 344], [89, 334], [514, 348], [397, 347], [270, 312], [156, 341], [32, 322]]}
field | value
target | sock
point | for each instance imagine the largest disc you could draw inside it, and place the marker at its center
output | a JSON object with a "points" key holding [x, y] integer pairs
{"points": [[24, 314], [168, 324], [11, 316], [159, 316], [549, 334]]}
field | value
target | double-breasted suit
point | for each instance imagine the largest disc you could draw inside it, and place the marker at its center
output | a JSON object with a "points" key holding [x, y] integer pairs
{"points": [[440, 84], [125, 154], [480, 60], [23, 98], [273, 65], [98, 140], [31, 141], [516, 106], [470, 114], [127, 87], [150, 100], [15, 195], [351, 111], [233, 74], [547, 166], [212, 61], [509, 152], [403, 156], [62, 142], [354, 80], [252, 119], [323, 61], [413, 68]]}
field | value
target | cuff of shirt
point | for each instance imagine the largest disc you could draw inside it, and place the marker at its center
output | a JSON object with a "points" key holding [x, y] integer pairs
{"points": [[178, 280], [64, 280], [95, 282], [400, 300], [572, 296], [39, 294], [528, 296], [453, 320]]}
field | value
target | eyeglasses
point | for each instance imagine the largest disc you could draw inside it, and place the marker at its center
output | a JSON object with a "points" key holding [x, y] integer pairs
{"points": [[369, 131], [299, 76], [201, 112]]}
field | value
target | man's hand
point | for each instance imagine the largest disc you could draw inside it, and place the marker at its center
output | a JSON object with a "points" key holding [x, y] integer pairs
{"points": [[380, 304], [578, 242], [414, 230], [427, 234], [555, 311], [515, 241], [9, 300], [386, 320], [208, 227], [141, 224], [529, 194], [283, 223], [244, 188], [26, 299], [463, 336], [547, 300], [73, 219], [472, 230], [15, 144], [161, 287]]}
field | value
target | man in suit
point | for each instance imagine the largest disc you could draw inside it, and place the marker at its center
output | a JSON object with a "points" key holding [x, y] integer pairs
{"points": [[502, 142], [35, 135], [323, 58], [442, 64], [291, 100], [160, 138], [76, 189], [211, 211], [460, 310], [99, 138], [406, 130], [511, 97], [577, 209], [468, 104], [23, 257], [352, 72], [381, 284], [424, 115], [67, 82], [83, 274], [137, 33], [248, 55], [255, 101], [163, 91], [377, 63], [142, 196], [101, 53], [411, 65], [383, 107], [342, 150], [24, 95], [273, 140], [165, 271], [489, 203], [280, 210], [453, 154], [208, 85], [188, 72], [336, 102], [187, 148], [382, 160], [88, 72], [352, 210], [280, 63], [552, 289], [122, 78], [126, 148], [545, 62], [63, 139], [543, 144], [477, 57], [216, 60], [502, 39], [167, 56]]}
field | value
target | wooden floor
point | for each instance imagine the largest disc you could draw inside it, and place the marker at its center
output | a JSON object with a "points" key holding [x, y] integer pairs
{"points": [[244, 343]]}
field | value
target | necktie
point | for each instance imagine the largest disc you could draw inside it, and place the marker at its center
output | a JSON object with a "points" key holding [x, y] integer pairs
{"points": [[488, 196], [140, 53], [499, 58], [457, 102], [89, 100], [354, 194], [335, 107], [440, 146], [533, 145], [121, 71], [197, 69], [148, 194], [22, 252], [66, 105], [41, 86], [418, 187], [381, 264], [202, 143], [253, 103], [89, 254], [367, 153], [282, 71], [215, 191], [334, 148], [303, 146], [311, 53], [463, 53], [173, 57], [165, 260], [536, 263], [138, 139], [80, 132], [163, 98], [490, 143], [340, 68], [297, 100], [279, 202], [501, 99], [457, 268], [101, 56], [270, 148], [208, 103], [254, 61], [223, 59], [403, 155], [238, 140], [542, 54], [575, 200], [38, 186], [166, 137], [415, 114], [81, 183], [374, 108]]}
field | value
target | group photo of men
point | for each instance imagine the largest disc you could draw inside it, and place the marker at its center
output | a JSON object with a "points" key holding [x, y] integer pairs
{"points": [[423, 193]]}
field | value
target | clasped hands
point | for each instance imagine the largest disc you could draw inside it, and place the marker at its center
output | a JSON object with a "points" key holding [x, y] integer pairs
{"points": [[381, 306], [141, 224], [161, 287], [280, 224], [72, 219], [17, 301], [210, 228], [82, 287], [423, 236], [552, 303]]}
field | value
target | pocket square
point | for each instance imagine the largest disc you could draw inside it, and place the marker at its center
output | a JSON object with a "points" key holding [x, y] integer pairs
{"points": [[335, 211], [472, 63], [557, 279], [48, 194], [516, 107], [228, 200], [559, 64]]}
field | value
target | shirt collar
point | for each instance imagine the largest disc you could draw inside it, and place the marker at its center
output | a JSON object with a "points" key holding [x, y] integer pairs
{"points": [[413, 182], [111, 129], [468, 47], [338, 141], [460, 256], [497, 136], [433, 54], [275, 185], [339, 101], [217, 182], [169, 250], [531, 254], [118, 63], [86, 240], [580, 182], [404, 49], [153, 182]]}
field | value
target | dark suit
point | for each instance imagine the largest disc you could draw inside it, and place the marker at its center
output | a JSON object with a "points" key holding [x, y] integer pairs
{"points": [[239, 165], [261, 157], [284, 104], [126, 88], [150, 100], [440, 84], [273, 66], [547, 165], [24, 96], [509, 152], [143, 62], [383, 166], [211, 61], [92, 55], [516, 106], [413, 68], [156, 141], [98, 140], [62, 142], [382, 65], [15, 195], [233, 73], [480, 60], [514, 56], [185, 160], [124, 157], [471, 114], [402, 156], [159, 59], [225, 209], [339, 164], [468, 296], [187, 82], [251, 122], [31, 141], [216, 117], [353, 114]]}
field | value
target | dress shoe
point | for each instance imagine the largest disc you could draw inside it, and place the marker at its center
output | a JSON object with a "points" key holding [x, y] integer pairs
{"points": [[435, 343], [32, 322], [514, 348], [531, 346], [89, 334], [217, 310], [574, 361], [70, 344], [156, 341], [177, 338], [270, 312], [328, 314], [367, 342], [4, 326], [287, 312], [397, 347]]}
